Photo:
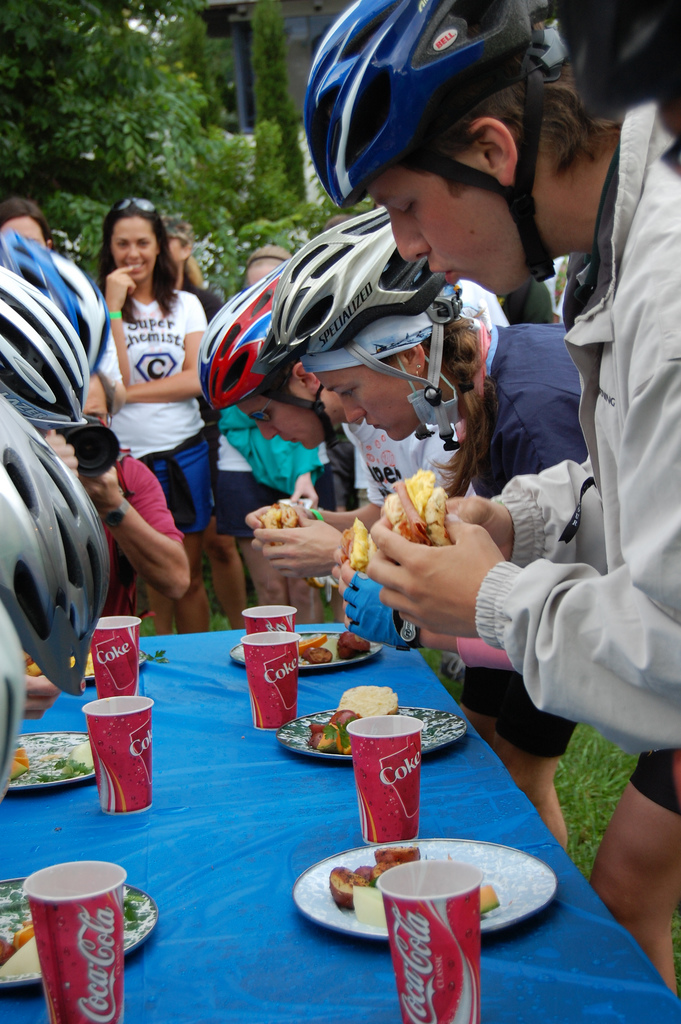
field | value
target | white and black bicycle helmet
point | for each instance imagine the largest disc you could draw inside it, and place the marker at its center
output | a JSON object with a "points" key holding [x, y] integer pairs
{"points": [[44, 370], [339, 283], [12, 694], [66, 284], [54, 561]]}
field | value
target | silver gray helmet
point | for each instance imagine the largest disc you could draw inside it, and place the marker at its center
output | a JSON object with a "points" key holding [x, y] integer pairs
{"points": [[44, 370], [54, 560], [12, 694], [340, 282]]}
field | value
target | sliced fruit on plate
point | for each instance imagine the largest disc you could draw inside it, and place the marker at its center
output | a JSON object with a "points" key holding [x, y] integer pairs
{"points": [[20, 763], [24, 934], [82, 754], [488, 899], [369, 906], [24, 961], [312, 641]]}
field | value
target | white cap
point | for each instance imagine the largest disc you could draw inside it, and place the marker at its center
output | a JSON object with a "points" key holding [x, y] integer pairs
{"points": [[381, 339]]}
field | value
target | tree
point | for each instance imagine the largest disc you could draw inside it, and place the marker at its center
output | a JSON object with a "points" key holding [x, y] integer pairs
{"points": [[272, 99]]}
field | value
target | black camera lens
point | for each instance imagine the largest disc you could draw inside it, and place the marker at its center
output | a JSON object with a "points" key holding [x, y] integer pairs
{"points": [[96, 446]]}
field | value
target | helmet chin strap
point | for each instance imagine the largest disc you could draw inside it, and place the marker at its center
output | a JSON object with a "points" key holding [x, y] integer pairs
{"points": [[431, 392], [316, 405], [543, 63]]}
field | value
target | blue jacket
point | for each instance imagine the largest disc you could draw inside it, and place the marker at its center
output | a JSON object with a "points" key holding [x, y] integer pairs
{"points": [[538, 394]]}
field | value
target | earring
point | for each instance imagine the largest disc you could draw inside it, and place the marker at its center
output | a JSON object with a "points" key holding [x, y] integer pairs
{"points": [[418, 366]]}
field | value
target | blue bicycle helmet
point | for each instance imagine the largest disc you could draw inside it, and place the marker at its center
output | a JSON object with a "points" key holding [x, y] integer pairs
{"points": [[391, 75], [66, 284]]}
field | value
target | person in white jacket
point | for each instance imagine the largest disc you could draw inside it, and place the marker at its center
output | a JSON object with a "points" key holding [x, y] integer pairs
{"points": [[576, 572]]}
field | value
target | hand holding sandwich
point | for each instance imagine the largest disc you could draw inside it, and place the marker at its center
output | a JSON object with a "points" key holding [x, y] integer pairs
{"points": [[436, 589]]}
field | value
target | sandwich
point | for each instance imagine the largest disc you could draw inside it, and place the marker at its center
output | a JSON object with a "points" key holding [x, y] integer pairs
{"points": [[279, 516], [357, 546], [416, 510]]}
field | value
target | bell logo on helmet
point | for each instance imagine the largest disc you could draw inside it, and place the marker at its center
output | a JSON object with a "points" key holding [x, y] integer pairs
{"points": [[445, 39]]}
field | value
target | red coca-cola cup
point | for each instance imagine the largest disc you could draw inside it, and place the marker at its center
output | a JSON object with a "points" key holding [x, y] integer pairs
{"points": [[77, 911], [116, 656], [386, 757], [272, 673], [120, 736], [270, 617], [432, 908]]}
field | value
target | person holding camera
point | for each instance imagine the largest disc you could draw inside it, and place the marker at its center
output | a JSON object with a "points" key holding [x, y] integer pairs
{"points": [[140, 530]]}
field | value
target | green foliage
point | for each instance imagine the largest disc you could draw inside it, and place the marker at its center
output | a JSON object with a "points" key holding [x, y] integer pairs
{"points": [[272, 100], [100, 100]]}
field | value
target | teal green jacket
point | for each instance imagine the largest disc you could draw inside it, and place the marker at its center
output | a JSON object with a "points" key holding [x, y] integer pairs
{"points": [[275, 462]]}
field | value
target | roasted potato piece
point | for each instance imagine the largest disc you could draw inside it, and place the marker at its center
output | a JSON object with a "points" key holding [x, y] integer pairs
{"points": [[397, 855], [341, 881]]}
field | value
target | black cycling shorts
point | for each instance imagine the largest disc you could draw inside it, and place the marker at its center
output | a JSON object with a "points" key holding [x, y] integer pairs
{"points": [[654, 778], [503, 695]]}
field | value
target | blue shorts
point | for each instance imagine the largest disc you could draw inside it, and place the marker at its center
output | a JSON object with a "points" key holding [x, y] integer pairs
{"points": [[195, 465], [240, 493]]}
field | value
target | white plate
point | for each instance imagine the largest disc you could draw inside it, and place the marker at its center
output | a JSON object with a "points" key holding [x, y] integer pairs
{"points": [[46, 773], [524, 884], [140, 915], [237, 652]]}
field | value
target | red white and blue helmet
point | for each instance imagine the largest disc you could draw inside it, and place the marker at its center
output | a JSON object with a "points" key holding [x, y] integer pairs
{"points": [[232, 343], [71, 290], [387, 67]]}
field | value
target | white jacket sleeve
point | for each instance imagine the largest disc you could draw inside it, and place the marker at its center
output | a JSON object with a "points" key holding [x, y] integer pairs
{"points": [[592, 646]]}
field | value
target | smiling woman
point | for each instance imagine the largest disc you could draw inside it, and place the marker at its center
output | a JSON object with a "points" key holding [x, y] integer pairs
{"points": [[157, 331]]}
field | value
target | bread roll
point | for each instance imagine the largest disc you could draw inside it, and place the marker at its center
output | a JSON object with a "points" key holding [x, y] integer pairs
{"points": [[367, 701]]}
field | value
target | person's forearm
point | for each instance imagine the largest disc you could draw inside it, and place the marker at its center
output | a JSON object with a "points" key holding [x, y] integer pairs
{"points": [[118, 334], [161, 561], [368, 514], [178, 388]]}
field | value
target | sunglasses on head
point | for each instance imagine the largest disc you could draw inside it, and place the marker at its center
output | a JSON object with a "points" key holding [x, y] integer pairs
{"points": [[141, 204], [260, 415]]}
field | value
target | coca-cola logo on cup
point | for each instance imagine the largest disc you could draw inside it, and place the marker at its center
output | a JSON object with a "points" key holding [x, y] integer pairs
{"points": [[96, 944], [140, 745], [274, 627], [112, 652], [411, 935], [392, 773], [276, 669]]}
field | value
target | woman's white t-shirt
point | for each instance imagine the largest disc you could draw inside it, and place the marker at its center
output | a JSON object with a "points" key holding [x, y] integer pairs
{"points": [[155, 346], [388, 461]]}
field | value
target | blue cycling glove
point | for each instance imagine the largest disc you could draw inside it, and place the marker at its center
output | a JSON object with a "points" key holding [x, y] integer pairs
{"points": [[371, 619]]}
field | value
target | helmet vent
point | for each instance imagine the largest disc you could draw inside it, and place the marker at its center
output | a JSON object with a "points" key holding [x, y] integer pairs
{"points": [[312, 255], [233, 375], [357, 43], [97, 576], [73, 566], [334, 257], [375, 108], [61, 484], [262, 302], [22, 483], [29, 600], [314, 317]]}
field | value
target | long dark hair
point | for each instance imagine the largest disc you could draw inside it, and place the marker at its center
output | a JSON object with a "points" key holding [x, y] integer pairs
{"points": [[165, 273], [461, 362], [19, 206]]}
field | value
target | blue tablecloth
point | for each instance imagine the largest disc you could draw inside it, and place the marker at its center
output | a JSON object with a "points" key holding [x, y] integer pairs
{"points": [[236, 818]]}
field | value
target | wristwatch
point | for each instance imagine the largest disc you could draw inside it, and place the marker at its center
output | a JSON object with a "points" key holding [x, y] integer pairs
{"points": [[409, 633], [116, 516]]}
